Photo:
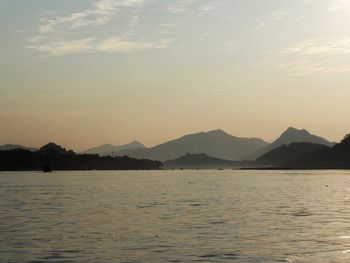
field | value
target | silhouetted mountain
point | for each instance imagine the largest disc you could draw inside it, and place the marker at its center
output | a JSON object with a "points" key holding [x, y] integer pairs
{"points": [[214, 143], [52, 148], [108, 149], [291, 135], [336, 157], [55, 157], [280, 156], [8, 147], [200, 161]]}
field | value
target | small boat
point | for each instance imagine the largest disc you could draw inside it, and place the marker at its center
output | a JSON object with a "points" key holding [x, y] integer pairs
{"points": [[47, 169]]}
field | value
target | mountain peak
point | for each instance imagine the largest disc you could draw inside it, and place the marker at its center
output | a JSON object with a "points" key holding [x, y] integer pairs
{"points": [[109, 149], [295, 135], [8, 147], [291, 135], [54, 148], [292, 131], [216, 143], [346, 140], [137, 144], [217, 132]]}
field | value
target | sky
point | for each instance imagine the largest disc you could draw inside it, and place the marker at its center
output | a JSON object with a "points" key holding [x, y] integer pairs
{"points": [[87, 72]]}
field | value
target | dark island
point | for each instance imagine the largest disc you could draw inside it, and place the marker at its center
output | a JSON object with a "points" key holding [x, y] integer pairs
{"points": [[52, 157], [335, 157]]}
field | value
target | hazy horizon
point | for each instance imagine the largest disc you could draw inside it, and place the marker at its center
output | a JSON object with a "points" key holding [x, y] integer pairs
{"points": [[85, 73], [165, 141]]}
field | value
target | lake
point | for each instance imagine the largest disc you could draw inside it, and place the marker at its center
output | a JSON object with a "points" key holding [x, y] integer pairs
{"points": [[175, 216]]}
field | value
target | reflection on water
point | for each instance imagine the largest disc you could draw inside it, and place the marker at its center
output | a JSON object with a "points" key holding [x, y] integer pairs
{"points": [[175, 216]]}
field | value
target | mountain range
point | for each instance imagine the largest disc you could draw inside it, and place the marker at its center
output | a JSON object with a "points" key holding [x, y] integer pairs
{"points": [[299, 155], [308, 156], [54, 157], [219, 144], [216, 143], [8, 147], [291, 135], [295, 155], [108, 149]]}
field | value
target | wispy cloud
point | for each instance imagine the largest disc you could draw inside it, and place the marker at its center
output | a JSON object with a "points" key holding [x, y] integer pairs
{"points": [[230, 47], [59, 48], [277, 15], [115, 44], [98, 14], [199, 6], [309, 67], [97, 28], [337, 5], [316, 56], [177, 8], [259, 26], [115, 26], [320, 47], [307, 2], [89, 45], [207, 8]]}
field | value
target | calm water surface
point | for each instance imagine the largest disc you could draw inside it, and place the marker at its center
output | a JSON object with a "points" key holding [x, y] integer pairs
{"points": [[175, 216]]}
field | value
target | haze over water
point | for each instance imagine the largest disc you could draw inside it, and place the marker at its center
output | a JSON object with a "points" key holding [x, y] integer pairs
{"points": [[175, 216]]}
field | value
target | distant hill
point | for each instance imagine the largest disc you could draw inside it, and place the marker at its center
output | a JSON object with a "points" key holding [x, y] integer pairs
{"points": [[52, 148], [54, 157], [336, 157], [299, 155], [108, 149], [280, 156], [215, 143], [291, 135], [199, 161], [8, 147]]}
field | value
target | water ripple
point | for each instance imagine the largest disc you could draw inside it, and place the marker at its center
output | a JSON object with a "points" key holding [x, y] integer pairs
{"points": [[190, 216]]}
